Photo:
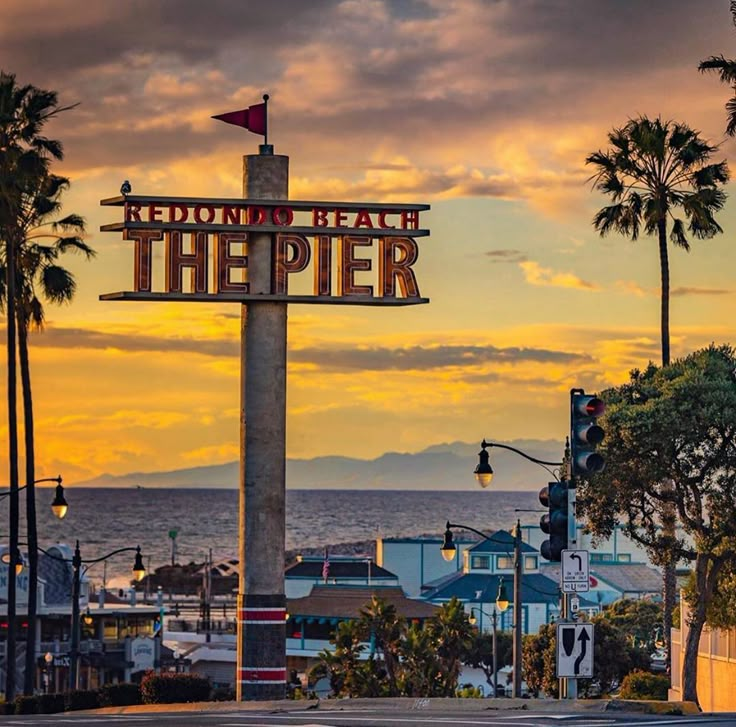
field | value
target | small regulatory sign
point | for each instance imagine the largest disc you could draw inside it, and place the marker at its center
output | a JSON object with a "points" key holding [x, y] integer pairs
{"points": [[575, 571], [575, 650]]}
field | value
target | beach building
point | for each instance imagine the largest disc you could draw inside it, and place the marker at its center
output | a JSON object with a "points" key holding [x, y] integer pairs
{"points": [[610, 582], [345, 570], [118, 635], [484, 565]]}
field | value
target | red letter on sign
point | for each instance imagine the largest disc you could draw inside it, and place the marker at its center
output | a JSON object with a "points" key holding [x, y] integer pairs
{"points": [[323, 266], [348, 264], [132, 212], [363, 219], [225, 261], [142, 264], [391, 270], [319, 217], [177, 260], [183, 211], [283, 264]]}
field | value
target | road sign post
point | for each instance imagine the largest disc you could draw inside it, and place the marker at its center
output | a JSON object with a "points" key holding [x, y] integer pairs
{"points": [[575, 650], [575, 571]]}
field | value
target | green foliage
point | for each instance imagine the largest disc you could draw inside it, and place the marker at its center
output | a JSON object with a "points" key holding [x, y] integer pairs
{"points": [[120, 695], [671, 444], [81, 699], [639, 620], [50, 703], [173, 688], [644, 685], [479, 653], [613, 658], [403, 659], [468, 691], [26, 705]]}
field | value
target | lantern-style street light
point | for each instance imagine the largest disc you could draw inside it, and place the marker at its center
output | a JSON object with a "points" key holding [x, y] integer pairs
{"points": [[59, 505], [502, 603]]}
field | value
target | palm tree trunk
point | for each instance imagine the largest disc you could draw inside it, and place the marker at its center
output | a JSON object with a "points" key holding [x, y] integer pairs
{"points": [[25, 375], [10, 651], [665, 276], [669, 575]]}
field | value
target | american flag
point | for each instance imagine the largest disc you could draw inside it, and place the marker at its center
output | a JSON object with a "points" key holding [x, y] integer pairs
{"points": [[326, 566]]}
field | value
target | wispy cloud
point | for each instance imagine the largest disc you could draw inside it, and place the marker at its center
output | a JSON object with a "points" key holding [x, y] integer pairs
{"points": [[506, 256], [683, 291], [535, 274]]}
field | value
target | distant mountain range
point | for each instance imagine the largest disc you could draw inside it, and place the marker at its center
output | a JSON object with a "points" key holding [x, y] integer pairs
{"points": [[439, 467]]}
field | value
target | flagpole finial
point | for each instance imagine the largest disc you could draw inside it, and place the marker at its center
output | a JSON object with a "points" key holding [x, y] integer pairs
{"points": [[265, 149]]}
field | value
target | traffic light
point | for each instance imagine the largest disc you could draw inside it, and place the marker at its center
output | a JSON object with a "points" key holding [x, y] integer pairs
{"points": [[585, 434], [555, 523]]}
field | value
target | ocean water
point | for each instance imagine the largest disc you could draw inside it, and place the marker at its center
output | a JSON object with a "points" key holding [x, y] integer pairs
{"points": [[103, 519]]}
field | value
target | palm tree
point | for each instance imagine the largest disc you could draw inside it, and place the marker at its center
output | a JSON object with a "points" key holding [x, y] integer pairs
{"points": [[653, 169], [726, 69], [25, 157], [452, 634], [42, 239]]}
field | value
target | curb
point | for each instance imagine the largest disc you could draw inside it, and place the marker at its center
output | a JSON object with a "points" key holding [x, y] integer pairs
{"points": [[409, 704]]}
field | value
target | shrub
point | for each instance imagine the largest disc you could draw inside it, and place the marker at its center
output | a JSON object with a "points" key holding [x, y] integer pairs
{"points": [[644, 685], [120, 695], [223, 694], [26, 705], [50, 703], [172, 688], [7, 707], [81, 699]]}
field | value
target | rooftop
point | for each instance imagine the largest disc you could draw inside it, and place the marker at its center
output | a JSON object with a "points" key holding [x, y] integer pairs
{"points": [[337, 601]]}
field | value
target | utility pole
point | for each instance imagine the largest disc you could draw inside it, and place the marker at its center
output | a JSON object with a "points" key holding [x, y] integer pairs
{"points": [[518, 611]]}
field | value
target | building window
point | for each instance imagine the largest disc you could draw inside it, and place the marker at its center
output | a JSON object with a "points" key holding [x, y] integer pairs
{"points": [[601, 557], [530, 562], [480, 562], [504, 562], [624, 557]]}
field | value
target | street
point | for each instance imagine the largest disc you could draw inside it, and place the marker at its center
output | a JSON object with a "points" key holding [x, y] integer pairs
{"points": [[369, 717]]}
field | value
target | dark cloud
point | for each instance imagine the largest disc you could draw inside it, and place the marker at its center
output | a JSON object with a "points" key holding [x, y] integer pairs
{"points": [[82, 338], [506, 256], [683, 291], [422, 358]]}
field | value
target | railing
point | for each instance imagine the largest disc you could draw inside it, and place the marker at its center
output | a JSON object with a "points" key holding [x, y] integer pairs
{"points": [[202, 626]]}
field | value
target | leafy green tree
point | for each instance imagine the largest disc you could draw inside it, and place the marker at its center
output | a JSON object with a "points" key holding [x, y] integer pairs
{"points": [[640, 620], [421, 669], [538, 661], [479, 653], [726, 69], [383, 628], [674, 425], [652, 170], [34, 235]]}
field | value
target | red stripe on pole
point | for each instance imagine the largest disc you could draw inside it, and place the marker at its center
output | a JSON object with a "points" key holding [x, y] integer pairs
{"points": [[251, 674], [262, 614]]}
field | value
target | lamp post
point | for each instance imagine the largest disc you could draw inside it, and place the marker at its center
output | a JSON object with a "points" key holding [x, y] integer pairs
{"points": [[502, 603], [59, 508], [448, 551], [139, 572], [484, 474]]}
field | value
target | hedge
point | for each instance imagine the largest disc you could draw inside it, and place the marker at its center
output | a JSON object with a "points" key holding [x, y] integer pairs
{"points": [[172, 688], [644, 685], [120, 695], [81, 699]]}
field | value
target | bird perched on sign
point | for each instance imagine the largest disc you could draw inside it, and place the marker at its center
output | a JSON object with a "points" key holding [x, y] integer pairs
{"points": [[125, 187]]}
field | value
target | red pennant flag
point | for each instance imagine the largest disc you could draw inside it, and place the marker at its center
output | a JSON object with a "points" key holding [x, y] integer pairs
{"points": [[253, 118]]}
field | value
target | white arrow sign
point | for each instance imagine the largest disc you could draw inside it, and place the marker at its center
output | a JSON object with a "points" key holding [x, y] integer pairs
{"points": [[575, 650], [575, 571]]}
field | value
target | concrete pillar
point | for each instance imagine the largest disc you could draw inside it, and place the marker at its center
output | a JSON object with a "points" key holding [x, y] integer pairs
{"points": [[261, 665]]}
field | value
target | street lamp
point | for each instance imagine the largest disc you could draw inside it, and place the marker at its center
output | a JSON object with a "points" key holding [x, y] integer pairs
{"points": [[502, 603], [139, 572], [484, 472], [59, 505], [449, 549]]}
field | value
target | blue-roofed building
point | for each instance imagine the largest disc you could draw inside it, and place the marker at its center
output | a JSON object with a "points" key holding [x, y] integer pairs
{"points": [[484, 565]]}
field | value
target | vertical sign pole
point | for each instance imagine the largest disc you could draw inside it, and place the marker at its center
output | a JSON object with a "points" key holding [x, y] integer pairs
{"points": [[572, 544], [261, 659]]}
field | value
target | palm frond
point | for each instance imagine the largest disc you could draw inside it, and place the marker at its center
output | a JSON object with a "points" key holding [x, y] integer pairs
{"points": [[75, 244], [731, 116], [677, 235], [725, 68], [58, 284], [70, 222]]}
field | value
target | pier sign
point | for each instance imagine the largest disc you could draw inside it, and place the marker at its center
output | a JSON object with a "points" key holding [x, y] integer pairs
{"points": [[358, 253]]}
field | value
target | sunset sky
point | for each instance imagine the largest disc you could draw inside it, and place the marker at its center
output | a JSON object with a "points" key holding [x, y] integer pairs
{"points": [[485, 110]]}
